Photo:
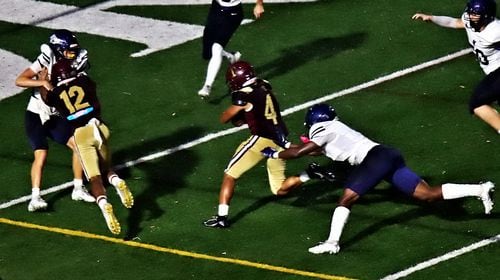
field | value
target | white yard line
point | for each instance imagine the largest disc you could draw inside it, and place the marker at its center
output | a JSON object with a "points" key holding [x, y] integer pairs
{"points": [[288, 111], [445, 257]]}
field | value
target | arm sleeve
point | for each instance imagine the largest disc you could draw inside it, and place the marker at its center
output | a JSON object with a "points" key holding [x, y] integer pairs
{"points": [[444, 21]]}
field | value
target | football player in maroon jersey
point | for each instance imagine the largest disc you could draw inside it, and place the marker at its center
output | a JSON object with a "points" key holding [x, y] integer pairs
{"points": [[254, 103], [75, 98]]}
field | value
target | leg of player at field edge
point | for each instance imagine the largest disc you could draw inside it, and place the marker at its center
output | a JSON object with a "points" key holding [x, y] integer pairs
{"points": [[223, 20], [99, 192], [227, 191], [37, 202], [214, 65], [79, 191], [225, 195], [489, 115], [122, 189], [213, 68], [422, 192]]}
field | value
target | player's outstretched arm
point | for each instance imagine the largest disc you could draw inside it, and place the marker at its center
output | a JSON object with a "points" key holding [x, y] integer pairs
{"points": [[444, 21]]}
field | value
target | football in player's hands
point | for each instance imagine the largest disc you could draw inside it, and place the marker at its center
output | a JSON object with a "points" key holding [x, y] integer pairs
{"points": [[239, 118]]}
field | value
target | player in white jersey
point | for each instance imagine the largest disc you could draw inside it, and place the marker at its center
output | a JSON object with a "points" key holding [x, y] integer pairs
{"points": [[373, 163], [42, 121], [223, 19], [483, 33]]}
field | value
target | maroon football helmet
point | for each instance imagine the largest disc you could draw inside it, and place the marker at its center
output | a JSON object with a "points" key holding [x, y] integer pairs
{"points": [[238, 74], [62, 70]]}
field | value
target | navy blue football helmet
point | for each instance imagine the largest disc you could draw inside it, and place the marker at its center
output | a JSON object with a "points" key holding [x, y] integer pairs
{"points": [[485, 9], [64, 40], [319, 113]]}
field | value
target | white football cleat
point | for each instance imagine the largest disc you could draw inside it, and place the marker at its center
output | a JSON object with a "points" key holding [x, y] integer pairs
{"points": [[111, 221], [125, 195], [485, 196], [204, 91], [79, 194], [325, 247], [235, 57], [37, 203]]}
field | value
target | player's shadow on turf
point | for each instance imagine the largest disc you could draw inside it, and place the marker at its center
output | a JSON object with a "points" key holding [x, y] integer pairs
{"points": [[163, 176], [296, 56], [253, 207], [218, 99], [316, 50], [303, 196]]}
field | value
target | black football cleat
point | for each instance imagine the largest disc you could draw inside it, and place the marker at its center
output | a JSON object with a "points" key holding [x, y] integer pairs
{"points": [[217, 222], [315, 171]]}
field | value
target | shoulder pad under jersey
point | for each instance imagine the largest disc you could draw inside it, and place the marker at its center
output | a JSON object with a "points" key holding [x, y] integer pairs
{"points": [[81, 62], [266, 84]]}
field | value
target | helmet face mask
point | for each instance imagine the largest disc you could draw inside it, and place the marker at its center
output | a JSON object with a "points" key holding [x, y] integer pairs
{"points": [[64, 43], [239, 75], [480, 13], [319, 113]]}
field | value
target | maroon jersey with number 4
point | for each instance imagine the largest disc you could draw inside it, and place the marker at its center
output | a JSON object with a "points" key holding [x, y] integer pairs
{"points": [[264, 119]]}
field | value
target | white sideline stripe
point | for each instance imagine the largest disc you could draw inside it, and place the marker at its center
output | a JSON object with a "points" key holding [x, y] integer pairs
{"points": [[442, 258], [288, 111]]}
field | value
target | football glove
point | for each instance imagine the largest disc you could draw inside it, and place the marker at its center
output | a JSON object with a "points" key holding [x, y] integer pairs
{"points": [[304, 139], [281, 139], [269, 152]]}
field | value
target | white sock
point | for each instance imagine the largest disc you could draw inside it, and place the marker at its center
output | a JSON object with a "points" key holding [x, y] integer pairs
{"points": [[102, 200], [223, 210], [35, 192], [339, 219], [214, 64], [227, 55], [303, 177], [78, 183], [114, 180], [453, 191]]}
